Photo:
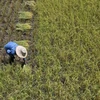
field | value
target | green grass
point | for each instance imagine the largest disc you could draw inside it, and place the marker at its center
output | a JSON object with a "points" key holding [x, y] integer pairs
{"points": [[66, 55]]}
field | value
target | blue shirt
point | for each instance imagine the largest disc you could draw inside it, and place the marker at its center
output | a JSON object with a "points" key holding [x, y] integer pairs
{"points": [[10, 48]]}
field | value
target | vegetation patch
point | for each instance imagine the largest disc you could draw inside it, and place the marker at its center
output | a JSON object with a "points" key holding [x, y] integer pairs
{"points": [[25, 15], [24, 43], [23, 26], [31, 4], [13, 84]]}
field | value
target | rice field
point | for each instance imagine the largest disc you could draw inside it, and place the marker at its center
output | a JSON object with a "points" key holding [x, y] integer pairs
{"points": [[63, 50]]}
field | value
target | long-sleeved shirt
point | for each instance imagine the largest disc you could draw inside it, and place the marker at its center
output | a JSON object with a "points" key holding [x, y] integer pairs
{"points": [[10, 48]]}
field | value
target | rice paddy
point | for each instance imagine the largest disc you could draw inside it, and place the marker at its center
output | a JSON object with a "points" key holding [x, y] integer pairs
{"points": [[63, 43]]}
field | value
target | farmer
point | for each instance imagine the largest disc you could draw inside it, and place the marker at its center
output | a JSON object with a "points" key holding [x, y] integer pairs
{"points": [[13, 48]]}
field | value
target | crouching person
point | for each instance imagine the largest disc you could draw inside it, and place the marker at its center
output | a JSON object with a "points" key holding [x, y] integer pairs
{"points": [[13, 49]]}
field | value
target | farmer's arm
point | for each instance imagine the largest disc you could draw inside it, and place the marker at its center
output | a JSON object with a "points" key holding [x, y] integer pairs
{"points": [[24, 62]]}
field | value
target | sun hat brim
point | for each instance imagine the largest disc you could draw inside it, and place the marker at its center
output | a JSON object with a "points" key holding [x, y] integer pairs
{"points": [[19, 51]]}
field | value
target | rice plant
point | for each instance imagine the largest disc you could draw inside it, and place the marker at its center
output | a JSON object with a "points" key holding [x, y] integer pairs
{"points": [[25, 15], [23, 26], [24, 43], [31, 4]]}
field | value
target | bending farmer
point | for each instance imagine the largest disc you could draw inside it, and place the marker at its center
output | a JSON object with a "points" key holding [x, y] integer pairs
{"points": [[13, 48]]}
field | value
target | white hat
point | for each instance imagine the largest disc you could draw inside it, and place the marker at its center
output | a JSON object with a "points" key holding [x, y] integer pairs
{"points": [[21, 51]]}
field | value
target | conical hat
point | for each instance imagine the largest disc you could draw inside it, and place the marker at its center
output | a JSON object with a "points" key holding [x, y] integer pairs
{"points": [[21, 51]]}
